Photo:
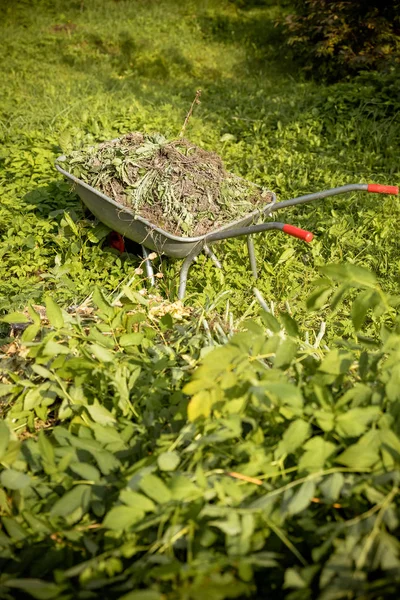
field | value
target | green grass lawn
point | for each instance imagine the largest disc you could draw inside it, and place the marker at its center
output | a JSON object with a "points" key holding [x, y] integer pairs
{"points": [[78, 73]]}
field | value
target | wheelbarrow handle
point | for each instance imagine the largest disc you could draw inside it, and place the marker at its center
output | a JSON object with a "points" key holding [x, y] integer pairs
{"points": [[296, 232], [307, 236], [383, 189], [352, 187]]}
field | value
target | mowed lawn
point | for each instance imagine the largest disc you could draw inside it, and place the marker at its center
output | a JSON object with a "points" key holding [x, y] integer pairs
{"points": [[81, 72]]}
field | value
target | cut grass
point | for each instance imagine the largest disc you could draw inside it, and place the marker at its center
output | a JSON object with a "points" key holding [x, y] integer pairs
{"points": [[174, 184]]}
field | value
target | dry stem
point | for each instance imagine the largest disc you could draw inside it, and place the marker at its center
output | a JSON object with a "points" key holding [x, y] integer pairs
{"points": [[195, 101]]}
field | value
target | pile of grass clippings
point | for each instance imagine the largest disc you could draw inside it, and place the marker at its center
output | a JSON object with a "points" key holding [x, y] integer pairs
{"points": [[176, 185]]}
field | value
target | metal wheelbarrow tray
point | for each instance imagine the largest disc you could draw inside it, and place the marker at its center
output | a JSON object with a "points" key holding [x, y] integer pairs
{"points": [[138, 229]]}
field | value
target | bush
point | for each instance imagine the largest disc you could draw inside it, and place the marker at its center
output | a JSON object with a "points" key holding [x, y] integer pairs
{"points": [[128, 468], [335, 39]]}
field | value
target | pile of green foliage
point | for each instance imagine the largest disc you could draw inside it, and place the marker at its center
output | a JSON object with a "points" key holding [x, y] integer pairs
{"points": [[131, 471], [338, 38], [176, 185]]}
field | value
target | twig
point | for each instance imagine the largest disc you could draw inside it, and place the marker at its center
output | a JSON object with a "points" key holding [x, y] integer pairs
{"points": [[319, 501], [246, 478], [281, 535], [195, 101]]}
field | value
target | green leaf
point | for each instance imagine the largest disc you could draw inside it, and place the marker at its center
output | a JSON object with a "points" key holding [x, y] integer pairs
{"points": [[294, 436], [317, 451], [77, 497], [34, 315], [301, 498], [41, 590], [30, 333], [13, 529], [122, 517], [33, 398], [71, 223], [42, 371], [106, 461], [85, 471], [285, 353], [46, 449], [168, 461], [54, 314], [200, 404], [353, 275], [270, 321], [14, 480], [130, 339], [364, 301], [6, 389], [325, 420], [230, 526], [355, 421], [155, 488], [289, 324], [286, 255], [285, 393], [358, 456], [331, 486], [98, 233], [392, 387], [135, 297], [100, 414], [339, 295], [293, 579], [52, 348], [102, 303], [4, 438], [183, 489], [336, 362], [101, 353], [100, 338], [108, 435], [14, 317], [137, 500], [318, 297]]}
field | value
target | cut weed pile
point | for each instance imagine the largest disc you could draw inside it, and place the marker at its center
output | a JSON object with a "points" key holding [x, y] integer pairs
{"points": [[174, 184]]}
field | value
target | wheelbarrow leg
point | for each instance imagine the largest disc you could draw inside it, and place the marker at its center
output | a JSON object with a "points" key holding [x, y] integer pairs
{"points": [[252, 256], [212, 256], [148, 265], [185, 270]]}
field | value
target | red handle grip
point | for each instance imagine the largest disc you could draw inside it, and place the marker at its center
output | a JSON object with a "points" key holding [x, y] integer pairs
{"points": [[383, 189], [307, 236]]}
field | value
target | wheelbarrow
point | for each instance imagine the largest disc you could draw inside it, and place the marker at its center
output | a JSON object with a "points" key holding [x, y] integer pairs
{"points": [[152, 238]]}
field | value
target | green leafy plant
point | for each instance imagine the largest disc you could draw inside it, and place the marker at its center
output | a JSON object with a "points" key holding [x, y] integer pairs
{"points": [[340, 38], [272, 465]]}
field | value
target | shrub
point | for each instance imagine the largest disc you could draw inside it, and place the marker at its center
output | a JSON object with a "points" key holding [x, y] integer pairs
{"points": [[338, 38], [273, 465]]}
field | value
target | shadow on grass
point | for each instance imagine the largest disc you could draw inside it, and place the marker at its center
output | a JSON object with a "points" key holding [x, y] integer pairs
{"points": [[56, 198], [127, 61]]}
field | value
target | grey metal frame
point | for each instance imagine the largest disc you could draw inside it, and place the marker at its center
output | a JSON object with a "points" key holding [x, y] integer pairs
{"points": [[140, 230]]}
